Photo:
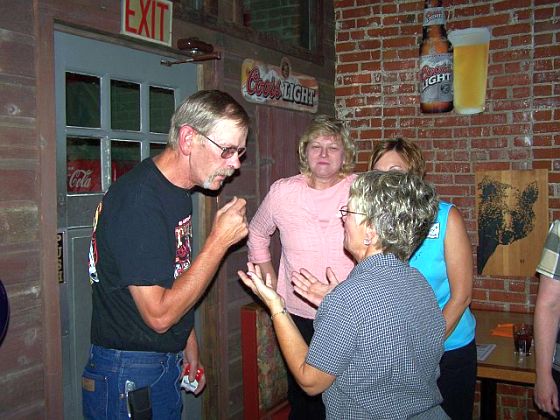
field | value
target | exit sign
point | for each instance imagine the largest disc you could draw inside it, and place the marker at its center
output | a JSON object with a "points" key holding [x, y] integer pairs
{"points": [[149, 20]]}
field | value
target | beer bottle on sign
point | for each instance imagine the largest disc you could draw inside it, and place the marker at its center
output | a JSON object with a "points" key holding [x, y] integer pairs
{"points": [[436, 61]]}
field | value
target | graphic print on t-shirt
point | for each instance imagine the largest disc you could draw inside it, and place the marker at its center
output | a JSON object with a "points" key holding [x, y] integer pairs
{"points": [[92, 258], [183, 237], [434, 231]]}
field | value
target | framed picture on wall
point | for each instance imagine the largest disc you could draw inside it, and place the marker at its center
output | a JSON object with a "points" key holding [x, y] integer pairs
{"points": [[512, 218]]}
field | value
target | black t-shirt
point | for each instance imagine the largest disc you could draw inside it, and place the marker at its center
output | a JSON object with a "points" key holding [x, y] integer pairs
{"points": [[142, 236]]}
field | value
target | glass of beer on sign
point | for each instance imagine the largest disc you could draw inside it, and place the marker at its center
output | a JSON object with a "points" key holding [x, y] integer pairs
{"points": [[470, 69]]}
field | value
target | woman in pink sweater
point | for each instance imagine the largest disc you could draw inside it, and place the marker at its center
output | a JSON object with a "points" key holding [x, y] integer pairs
{"points": [[305, 210]]}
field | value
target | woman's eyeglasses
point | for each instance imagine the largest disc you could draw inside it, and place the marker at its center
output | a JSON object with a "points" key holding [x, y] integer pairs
{"points": [[344, 213]]}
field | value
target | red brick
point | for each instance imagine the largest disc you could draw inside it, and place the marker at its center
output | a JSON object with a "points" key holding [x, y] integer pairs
{"points": [[503, 130], [346, 24], [354, 57], [511, 55], [522, 40], [506, 297], [546, 26], [545, 64], [511, 80], [345, 47], [506, 30], [368, 22], [346, 68], [356, 12], [478, 10], [373, 66], [358, 35], [346, 91], [490, 21], [338, 4], [342, 36], [544, 39], [400, 42]]}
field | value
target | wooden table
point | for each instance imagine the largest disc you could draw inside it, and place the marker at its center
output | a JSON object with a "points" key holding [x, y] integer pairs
{"points": [[502, 365]]}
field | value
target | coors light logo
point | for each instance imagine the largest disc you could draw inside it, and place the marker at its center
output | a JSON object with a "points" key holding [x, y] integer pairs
{"points": [[434, 16], [434, 75]]}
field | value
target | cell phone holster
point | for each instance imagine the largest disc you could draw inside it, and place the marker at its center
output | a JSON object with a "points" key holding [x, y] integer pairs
{"points": [[140, 402]]}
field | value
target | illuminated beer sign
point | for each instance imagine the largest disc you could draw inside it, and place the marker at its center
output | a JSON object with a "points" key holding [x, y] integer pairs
{"points": [[278, 86], [149, 20]]}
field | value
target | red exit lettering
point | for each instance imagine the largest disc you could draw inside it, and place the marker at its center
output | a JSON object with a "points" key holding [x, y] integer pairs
{"points": [[147, 19]]}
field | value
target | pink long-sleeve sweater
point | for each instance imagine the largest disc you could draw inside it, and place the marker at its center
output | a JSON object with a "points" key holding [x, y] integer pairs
{"points": [[311, 234]]}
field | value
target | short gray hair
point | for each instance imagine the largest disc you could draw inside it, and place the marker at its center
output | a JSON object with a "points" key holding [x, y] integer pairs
{"points": [[400, 206], [202, 110], [322, 125]]}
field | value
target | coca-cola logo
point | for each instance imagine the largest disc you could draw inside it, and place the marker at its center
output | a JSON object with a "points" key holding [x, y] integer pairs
{"points": [[83, 175], [80, 179]]}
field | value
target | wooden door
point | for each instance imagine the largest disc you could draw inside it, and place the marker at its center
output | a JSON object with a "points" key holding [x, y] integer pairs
{"points": [[279, 131]]}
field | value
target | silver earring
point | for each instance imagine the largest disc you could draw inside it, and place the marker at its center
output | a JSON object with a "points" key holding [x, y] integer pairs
{"points": [[367, 242]]}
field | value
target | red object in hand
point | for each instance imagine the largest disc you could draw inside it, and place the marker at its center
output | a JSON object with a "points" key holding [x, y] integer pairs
{"points": [[199, 372]]}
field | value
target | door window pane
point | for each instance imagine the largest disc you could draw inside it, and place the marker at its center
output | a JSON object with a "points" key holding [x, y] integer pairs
{"points": [[156, 148], [83, 166], [124, 156], [291, 21], [125, 105], [162, 106], [82, 100]]}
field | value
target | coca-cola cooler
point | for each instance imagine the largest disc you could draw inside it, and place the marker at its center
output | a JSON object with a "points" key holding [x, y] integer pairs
{"points": [[121, 167], [84, 175]]}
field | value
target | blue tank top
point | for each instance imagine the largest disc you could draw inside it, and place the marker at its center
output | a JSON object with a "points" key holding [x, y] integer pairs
{"points": [[429, 259]]}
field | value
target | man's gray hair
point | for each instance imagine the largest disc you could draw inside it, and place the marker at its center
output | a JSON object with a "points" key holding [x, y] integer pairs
{"points": [[203, 110], [400, 206]]}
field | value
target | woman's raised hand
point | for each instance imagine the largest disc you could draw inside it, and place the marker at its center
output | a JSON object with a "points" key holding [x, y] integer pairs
{"points": [[309, 286], [262, 289]]}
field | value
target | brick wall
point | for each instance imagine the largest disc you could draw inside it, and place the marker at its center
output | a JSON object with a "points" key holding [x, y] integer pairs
{"points": [[377, 91]]}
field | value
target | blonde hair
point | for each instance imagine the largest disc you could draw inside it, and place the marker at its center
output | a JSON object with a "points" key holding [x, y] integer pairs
{"points": [[323, 125]]}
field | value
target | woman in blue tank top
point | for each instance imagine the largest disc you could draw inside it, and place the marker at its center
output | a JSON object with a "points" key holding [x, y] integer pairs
{"points": [[445, 259]]}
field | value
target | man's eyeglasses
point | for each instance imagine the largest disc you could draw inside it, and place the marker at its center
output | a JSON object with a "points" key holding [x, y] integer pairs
{"points": [[227, 152], [344, 213]]}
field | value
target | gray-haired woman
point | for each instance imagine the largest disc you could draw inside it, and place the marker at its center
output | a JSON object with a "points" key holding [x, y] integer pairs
{"points": [[379, 334]]}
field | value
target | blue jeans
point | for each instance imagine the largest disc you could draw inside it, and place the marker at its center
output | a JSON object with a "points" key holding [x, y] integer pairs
{"points": [[107, 370]]}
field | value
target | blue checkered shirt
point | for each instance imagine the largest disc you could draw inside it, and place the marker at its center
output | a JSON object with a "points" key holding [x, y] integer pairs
{"points": [[381, 334], [550, 259]]}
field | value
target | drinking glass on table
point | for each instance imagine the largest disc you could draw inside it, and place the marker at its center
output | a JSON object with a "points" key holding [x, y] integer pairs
{"points": [[523, 338]]}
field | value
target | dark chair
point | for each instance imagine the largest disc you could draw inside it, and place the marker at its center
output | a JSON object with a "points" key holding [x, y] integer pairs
{"points": [[4, 312]]}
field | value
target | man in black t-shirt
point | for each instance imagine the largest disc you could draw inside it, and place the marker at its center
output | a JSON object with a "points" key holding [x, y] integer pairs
{"points": [[144, 280]]}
